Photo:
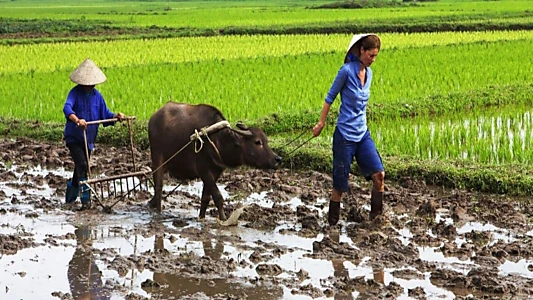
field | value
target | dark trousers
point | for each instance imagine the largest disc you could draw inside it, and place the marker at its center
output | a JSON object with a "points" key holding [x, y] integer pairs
{"points": [[77, 151]]}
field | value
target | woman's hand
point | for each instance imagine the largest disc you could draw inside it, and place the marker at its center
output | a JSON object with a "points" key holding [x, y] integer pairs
{"points": [[81, 123], [120, 116], [318, 129]]}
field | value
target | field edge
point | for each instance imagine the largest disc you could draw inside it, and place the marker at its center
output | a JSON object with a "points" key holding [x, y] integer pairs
{"points": [[510, 179]]}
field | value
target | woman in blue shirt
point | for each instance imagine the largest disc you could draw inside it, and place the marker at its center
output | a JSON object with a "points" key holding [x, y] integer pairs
{"points": [[351, 138], [84, 104]]}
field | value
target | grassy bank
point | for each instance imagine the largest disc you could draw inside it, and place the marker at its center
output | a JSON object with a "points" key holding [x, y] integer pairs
{"points": [[91, 33]]}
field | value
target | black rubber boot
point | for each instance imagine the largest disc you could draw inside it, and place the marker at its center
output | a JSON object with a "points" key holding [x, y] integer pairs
{"points": [[376, 204], [334, 211]]}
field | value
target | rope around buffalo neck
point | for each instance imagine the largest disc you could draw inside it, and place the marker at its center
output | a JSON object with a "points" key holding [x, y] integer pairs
{"points": [[197, 136]]}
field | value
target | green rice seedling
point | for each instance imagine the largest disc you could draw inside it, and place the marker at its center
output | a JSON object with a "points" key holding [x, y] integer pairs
{"points": [[253, 14], [65, 56], [286, 81], [498, 136]]}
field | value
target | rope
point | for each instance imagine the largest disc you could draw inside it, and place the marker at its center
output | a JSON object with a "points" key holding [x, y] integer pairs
{"points": [[198, 138], [171, 192], [293, 140], [216, 149], [170, 158], [300, 145]]}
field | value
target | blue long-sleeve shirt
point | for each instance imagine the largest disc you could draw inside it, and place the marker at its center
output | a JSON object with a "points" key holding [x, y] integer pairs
{"points": [[89, 106], [354, 98]]}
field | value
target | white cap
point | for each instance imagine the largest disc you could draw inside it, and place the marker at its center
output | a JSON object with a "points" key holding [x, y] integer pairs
{"points": [[354, 40], [88, 73]]}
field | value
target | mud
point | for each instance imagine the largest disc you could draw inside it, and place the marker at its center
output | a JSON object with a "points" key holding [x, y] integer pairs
{"points": [[430, 243]]}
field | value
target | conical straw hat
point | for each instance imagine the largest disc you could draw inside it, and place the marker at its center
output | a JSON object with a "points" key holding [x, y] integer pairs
{"points": [[88, 73], [354, 40]]}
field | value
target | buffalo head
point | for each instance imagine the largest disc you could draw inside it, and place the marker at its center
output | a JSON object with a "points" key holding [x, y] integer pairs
{"points": [[255, 149]]}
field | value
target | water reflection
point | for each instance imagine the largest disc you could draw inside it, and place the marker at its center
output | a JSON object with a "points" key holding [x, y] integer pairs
{"points": [[379, 275], [342, 271], [214, 252], [339, 270], [174, 286], [84, 277]]}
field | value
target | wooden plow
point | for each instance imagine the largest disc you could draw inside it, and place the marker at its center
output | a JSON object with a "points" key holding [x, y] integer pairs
{"points": [[117, 187]]}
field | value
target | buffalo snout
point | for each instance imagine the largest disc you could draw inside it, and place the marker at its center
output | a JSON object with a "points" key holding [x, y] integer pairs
{"points": [[276, 162]]}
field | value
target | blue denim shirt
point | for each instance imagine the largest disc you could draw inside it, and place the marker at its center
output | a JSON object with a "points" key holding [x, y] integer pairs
{"points": [[354, 98], [89, 106]]}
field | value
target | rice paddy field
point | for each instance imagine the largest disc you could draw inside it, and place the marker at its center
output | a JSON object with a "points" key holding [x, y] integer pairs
{"points": [[451, 96], [451, 113]]}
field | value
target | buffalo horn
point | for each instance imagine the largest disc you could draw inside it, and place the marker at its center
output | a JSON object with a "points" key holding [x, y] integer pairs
{"points": [[241, 125], [242, 129]]}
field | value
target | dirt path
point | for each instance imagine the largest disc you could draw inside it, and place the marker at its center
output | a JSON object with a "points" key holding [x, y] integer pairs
{"points": [[431, 243]]}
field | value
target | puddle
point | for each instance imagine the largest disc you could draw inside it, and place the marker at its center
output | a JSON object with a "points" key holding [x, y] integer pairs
{"points": [[77, 252], [522, 268], [433, 255], [405, 235]]}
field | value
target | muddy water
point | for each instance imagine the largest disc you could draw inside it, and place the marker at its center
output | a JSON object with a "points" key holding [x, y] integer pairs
{"points": [[430, 243]]}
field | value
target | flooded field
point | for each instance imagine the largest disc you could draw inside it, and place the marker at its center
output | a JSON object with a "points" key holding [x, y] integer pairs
{"points": [[496, 136], [430, 244]]}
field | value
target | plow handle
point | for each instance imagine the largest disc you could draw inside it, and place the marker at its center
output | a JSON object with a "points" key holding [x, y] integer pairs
{"points": [[108, 120]]}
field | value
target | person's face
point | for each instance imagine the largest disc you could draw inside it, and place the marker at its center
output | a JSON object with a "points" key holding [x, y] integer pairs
{"points": [[367, 57], [88, 88]]}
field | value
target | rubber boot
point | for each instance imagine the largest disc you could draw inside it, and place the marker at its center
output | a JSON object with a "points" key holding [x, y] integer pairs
{"points": [[334, 211], [72, 192], [376, 204], [85, 196]]}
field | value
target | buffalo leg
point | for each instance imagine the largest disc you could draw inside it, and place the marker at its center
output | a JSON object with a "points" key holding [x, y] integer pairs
{"points": [[217, 197], [206, 198], [211, 187], [155, 203], [219, 202]]}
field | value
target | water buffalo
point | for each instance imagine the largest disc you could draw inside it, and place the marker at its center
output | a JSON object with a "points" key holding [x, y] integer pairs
{"points": [[170, 129]]}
